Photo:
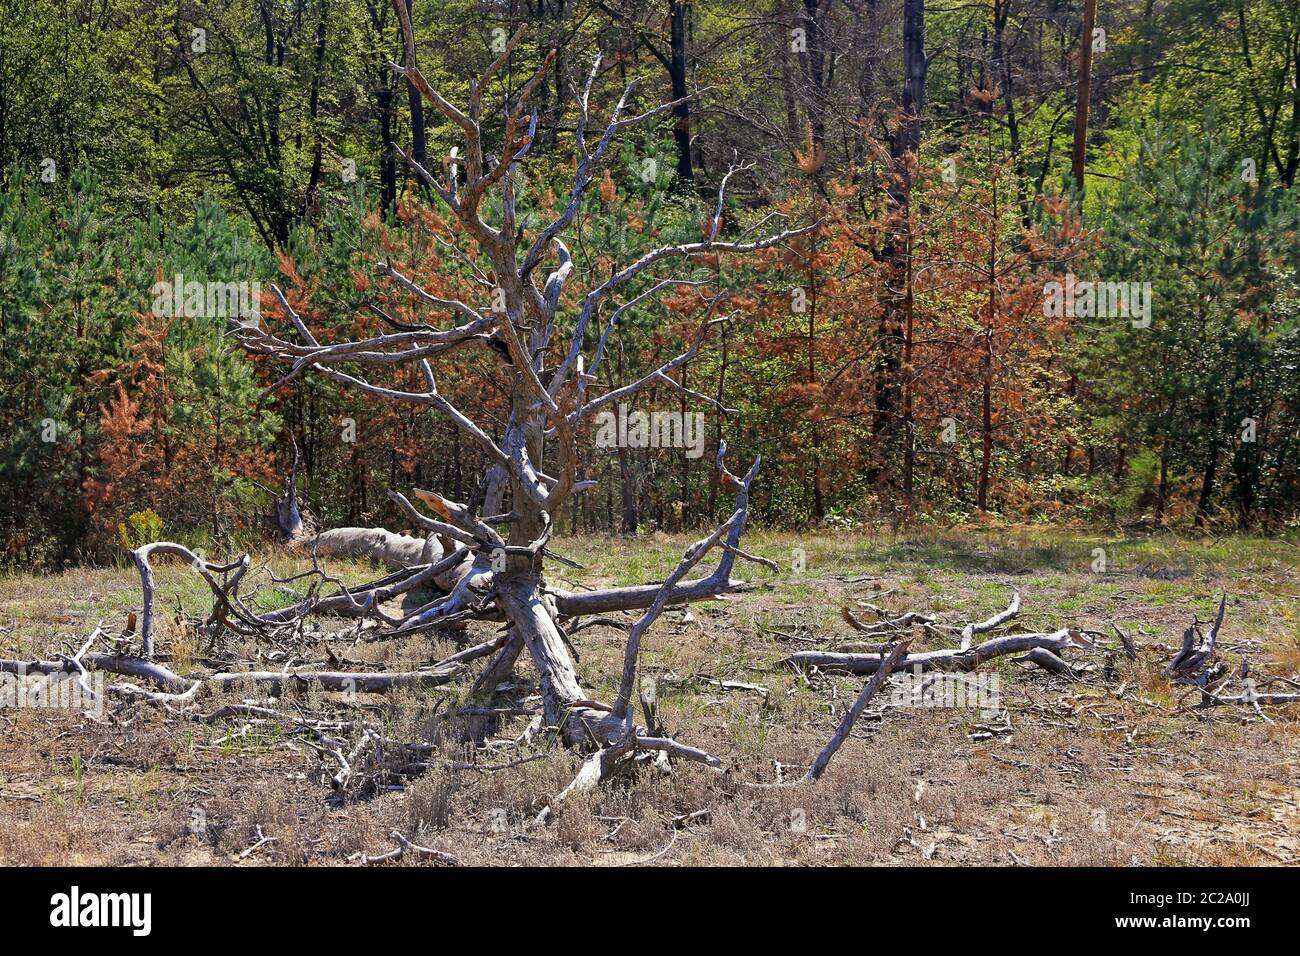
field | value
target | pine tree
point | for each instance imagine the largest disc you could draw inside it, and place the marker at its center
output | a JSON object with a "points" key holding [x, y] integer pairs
{"points": [[1220, 252]]}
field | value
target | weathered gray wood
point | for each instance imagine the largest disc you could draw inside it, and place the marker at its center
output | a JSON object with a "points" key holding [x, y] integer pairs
{"points": [[1191, 658], [951, 659], [396, 551], [533, 453], [997, 620], [887, 664], [179, 687], [223, 593], [1048, 662]]}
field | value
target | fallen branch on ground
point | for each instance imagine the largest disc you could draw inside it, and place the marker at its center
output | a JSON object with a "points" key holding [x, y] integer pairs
{"points": [[1195, 664], [178, 689], [405, 846], [889, 662], [950, 659], [1040, 649]]}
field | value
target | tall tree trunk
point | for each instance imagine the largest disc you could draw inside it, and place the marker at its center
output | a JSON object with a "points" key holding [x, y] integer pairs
{"points": [[677, 72], [720, 398], [782, 26], [819, 503], [986, 459], [986, 425], [1085, 92], [1247, 481], [1001, 14], [909, 421], [310, 196], [683, 520], [1207, 481], [818, 68], [388, 157], [419, 140], [627, 483], [906, 140], [868, 29]]}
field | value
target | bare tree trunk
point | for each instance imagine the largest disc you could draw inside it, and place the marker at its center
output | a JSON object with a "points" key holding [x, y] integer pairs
{"points": [[1207, 482], [906, 141], [782, 25], [719, 398], [1083, 99], [868, 31], [419, 143], [986, 425], [678, 11], [387, 160], [627, 486], [494, 573], [1162, 485], [909, 385], [815, 459], [1001, 13]]}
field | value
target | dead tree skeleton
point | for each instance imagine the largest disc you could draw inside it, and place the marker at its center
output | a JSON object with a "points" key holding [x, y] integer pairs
{"points": [[497, 560], [489, 563]]}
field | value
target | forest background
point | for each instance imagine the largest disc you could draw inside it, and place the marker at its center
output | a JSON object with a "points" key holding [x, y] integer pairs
{"points": [[1015, 309]]}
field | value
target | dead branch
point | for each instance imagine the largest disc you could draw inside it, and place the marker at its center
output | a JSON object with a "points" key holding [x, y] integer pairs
{"points": [[889, 662], [992, 624], [493, 567], [405, 846], [1189, 661], [180, 689], [223, 592], [951, 659], [887, 625]]}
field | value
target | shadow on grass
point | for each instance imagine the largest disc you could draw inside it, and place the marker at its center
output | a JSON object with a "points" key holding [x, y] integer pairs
{"points": [[973, 556]]}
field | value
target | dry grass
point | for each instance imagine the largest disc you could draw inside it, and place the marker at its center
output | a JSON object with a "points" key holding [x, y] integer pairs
{"points": [[1106, 771]]}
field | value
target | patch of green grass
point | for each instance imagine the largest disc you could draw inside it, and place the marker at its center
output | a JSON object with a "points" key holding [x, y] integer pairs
{"points": [[1077, 602]]}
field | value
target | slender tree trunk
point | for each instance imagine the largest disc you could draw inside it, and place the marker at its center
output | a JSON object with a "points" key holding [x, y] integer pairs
{"points": [[388, 158], [1085, 92], [684, 406], [819, 502], [1207, 482], [1001, 13], [717, 434], [909, 421], [868, 29], [818, 69], [986, 429], [677, 72], [787, 75], [907, 140], [1247, 480], [986, 459], [627, 482], [419, 140]]}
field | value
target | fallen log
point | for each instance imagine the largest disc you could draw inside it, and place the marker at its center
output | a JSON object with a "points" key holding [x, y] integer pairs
{"points": [[950, 659], [396, 551], [179, 689], [886, 624], [406, 846]]}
